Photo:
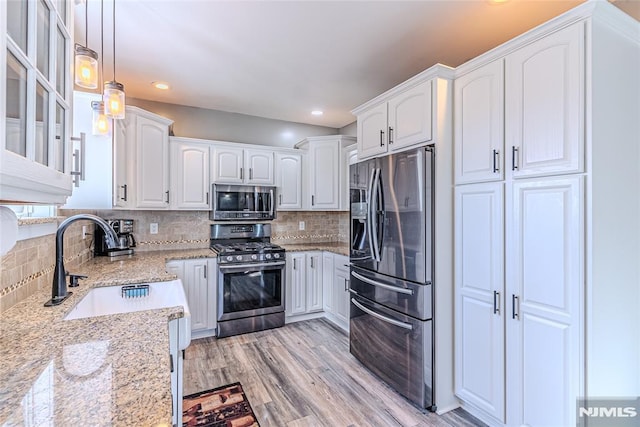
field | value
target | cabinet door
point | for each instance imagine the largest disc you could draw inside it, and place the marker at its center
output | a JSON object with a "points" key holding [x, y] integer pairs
{"points": [[479, 123], [227, 165], [545, 280], [197, 289], [325, 175], [327, 282], [372, 132], [544, 86], [152, 165], [314, 281], [410, 119], [122, 159], [341, 295], [296, 296], [479, 297], [289, 181], [189, 175], [258, 167], [212, 283]]}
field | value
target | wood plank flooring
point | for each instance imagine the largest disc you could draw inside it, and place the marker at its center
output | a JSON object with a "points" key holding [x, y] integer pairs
{"points": [[303, 375]]}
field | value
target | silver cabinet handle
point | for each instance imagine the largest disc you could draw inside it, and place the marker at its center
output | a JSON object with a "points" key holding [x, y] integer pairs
{"points": [[381, 317], [205, 271], [311, 259], [79, 160], [294, 263], [241, 173], [313, 200], [496, 302], [390, 135], [514, 157], [124, 187], [167, 193], [382, 285], [280, 198], [381, 138], [515, 303], [496, 161], [346, 284], [250, 173]]}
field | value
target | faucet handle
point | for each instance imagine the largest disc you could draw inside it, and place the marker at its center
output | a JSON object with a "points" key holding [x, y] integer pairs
{"points": [[73, 279]]}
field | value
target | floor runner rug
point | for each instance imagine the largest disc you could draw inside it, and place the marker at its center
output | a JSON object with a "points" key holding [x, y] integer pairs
{"points": [[225, 406]]}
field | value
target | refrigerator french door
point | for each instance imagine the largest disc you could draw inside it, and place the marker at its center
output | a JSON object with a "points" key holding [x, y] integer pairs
{"points": [[391, 309]]}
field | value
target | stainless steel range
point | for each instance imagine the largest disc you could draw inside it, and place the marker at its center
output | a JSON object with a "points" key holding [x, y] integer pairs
{"points": [[251, 278]]}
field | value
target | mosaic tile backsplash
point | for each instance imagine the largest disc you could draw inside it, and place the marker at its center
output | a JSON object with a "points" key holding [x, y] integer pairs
{"points": [[29, 265]]}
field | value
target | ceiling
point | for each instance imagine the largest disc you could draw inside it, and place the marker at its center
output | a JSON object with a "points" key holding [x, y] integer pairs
{"points": [[283, 59]]}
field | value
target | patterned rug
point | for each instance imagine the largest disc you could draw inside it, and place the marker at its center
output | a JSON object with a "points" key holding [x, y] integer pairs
{"points": [[225, 406]]}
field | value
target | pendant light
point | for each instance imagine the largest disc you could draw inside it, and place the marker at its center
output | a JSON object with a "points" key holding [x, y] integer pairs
{"points": [[100, 123], [113, 96], [86, 60]]}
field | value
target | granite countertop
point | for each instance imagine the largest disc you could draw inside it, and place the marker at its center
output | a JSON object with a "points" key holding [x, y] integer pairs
{"points": [[338, 248], [108, 370]]}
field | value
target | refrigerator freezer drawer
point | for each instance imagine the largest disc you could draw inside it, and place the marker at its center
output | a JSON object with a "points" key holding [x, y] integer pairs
{"points": [[395, 347]]}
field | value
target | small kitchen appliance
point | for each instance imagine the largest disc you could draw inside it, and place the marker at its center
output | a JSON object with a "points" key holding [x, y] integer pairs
{"points": [[242, 203], [251, 278], [126, 241]]}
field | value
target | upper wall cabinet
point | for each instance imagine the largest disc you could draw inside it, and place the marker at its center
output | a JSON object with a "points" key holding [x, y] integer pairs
{"points": [[544, 105], [233, 165], [189, 174], [35, 111], [479, 123], [141, 161], [289, 181], [402, 121], [325, 177]]}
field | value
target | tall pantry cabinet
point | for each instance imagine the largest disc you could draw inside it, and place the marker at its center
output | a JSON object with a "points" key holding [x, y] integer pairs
{"points": [[547, 220]]}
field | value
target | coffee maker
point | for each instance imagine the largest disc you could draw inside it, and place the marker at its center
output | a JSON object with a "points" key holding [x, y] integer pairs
{"points": [[126, 241]]}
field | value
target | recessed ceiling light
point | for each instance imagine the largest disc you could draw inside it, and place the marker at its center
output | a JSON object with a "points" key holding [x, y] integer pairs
{"points": [[317, 112], [161, 85]]}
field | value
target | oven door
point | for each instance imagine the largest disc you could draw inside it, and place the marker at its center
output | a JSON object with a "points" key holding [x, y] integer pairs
{"points": [[248, 290]]}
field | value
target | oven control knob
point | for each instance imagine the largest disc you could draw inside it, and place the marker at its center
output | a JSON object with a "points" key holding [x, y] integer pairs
{"points": [[267, 256], [276, 256], [229, 258], [239, 257], [254, 257]]}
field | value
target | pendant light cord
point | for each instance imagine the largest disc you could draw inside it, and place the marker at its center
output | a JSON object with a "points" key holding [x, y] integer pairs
{"points": [[102, 39], [86, 25], [114, 40]]}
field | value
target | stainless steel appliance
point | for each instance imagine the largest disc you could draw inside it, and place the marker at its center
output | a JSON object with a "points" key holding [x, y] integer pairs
{"points": [[251, 278], [242, 202], [126, 241], [391, 313]]}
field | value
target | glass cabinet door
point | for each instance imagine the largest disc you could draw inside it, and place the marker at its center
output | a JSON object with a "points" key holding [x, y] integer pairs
{"points": [[16, 108]]}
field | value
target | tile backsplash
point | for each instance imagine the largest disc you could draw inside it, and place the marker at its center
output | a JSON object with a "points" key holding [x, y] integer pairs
{"points": [[29, 266]]}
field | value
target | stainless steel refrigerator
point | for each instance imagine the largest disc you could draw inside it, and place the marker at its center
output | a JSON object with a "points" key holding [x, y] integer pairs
{"points": [[391, 257]]}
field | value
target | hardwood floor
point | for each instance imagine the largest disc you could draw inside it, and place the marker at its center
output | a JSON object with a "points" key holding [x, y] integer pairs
{"points": [[303, 375]]}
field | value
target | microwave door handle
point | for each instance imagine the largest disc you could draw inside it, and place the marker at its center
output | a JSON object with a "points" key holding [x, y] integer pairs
{"points": [[272, 203], [381, 317]]}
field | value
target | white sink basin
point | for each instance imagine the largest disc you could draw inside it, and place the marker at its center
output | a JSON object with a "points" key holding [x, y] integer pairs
{"points": [[108, 300]]}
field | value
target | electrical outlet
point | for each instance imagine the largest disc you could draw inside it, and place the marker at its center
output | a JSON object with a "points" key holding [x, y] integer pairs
{"points": [[84, 232], [153, 228], [301, 225]]}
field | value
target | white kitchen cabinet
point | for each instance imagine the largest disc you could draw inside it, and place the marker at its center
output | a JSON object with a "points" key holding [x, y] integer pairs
{"points": [[200, 284], [314, 281], [404, 120], [289, 181], [480, 297], [141, 161], [327, 282], [340, 293], [479, 124], [296, 287], [544, 104], [324, 171], [189, 174], [234, 165], [570, 276], [36, 93]]}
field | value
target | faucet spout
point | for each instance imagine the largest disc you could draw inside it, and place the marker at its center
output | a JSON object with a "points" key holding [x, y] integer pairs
{"points": [[59, 286]]}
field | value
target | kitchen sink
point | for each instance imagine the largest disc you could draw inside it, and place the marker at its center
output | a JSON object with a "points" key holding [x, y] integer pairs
{"points": [[109, 300]]}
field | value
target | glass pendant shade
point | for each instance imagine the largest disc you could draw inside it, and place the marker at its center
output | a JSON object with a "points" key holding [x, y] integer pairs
{"points": [[86, 67], [100, 121], [113, 98]]}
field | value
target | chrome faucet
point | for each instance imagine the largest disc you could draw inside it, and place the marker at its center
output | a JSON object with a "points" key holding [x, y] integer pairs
{"points": [[59, 287]]}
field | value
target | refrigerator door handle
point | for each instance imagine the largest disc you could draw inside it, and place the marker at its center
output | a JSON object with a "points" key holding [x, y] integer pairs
{"points": [[372, 220], [382, 285], [381, 317], [379, 215]]}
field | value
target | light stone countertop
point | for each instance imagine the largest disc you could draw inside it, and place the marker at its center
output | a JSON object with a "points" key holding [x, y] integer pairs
{"points": [[102, 371], [338, 248]]}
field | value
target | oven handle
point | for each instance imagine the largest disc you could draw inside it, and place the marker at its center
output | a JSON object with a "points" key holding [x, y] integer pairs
{"points": [[381, 317], [254, 265], [382, 285]]}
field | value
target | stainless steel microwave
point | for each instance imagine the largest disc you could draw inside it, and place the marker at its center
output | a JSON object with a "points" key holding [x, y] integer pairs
{"points": [[242, 202]]}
